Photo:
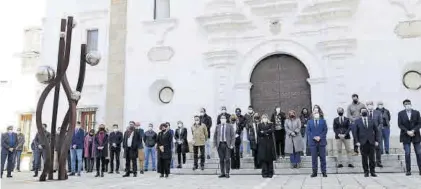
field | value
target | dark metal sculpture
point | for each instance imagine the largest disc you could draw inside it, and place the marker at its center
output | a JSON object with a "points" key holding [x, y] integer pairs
{"points": [[47, 76]]}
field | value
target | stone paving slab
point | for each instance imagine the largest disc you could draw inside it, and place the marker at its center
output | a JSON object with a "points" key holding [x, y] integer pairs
{"points": [[151, 180]]}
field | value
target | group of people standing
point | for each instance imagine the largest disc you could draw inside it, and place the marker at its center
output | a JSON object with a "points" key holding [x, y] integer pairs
{"points": [[270, 138]]}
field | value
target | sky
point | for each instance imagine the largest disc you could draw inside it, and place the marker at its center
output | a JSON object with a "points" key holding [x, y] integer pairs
{"points": [[15, 16]]}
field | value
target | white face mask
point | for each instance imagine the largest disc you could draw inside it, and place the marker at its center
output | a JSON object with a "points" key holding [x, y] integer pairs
{"points": [[197, 121], [278, 110], [370, 107], [316, 116], [265, 120], [202, 113], [78, 126], [150, 128], [250, 111], [115, 130], [180, 125], [316, 110], [380, 106], [223, 120], [408, 107], [19, 132], [224, 111], [10, 131]]}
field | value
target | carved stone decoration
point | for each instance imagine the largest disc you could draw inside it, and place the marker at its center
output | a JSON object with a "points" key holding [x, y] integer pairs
{"points": [[409, 6], [160, 53], [272, 8], [223, 16], [321, 11], [408, 29], [337, 49], [328, 31], [160, 28], [275, 27], [221, 57]]}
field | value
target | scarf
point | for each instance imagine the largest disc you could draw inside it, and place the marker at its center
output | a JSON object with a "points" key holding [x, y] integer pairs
{"points": [[101, 136]]}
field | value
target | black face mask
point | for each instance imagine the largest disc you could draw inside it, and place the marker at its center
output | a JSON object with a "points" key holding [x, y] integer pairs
{"points": [[340, 113], [364, 114]]}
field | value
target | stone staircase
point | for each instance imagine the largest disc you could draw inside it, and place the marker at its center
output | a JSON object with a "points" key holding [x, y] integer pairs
{"points": [[392, 164]]}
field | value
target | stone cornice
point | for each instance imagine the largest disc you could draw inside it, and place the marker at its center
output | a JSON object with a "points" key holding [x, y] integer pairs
{"points": [[244, 86], [315, 81], [337, 49], [272, 8], [160, 28], [327, 10], [221, 57], [327, 31]]}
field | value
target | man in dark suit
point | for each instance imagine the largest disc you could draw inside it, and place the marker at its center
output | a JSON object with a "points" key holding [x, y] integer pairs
{"points": [[376, 116], [40, 149], [206, 120], [223, 140], [316, 132], [130, 145], [77, 149], [367, 136], [409, 122], [115, 140], [342, 128], [9, 142]]}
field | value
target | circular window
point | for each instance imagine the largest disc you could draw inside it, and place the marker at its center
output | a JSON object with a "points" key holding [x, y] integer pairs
{"points": [[166, 94], [412, 80]]}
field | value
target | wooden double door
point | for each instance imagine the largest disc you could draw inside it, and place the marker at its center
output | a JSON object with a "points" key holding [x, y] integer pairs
{"points": [[280, 80]]}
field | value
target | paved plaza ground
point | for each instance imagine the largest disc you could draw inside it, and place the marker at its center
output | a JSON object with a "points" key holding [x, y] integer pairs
{"points": [[151, 180]]}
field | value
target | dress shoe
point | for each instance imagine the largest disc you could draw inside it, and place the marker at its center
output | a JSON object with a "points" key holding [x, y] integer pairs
{"points": [[324, 174], [208, 156], [134, 174], [117, 172], [153, 169], [365, 174], [97, 174], [313, 175], [420, 172], [126, 175], [221, 176], [71, 174], [387, 152], [9, 176], [350, 166], [111, 172], [146, 170], [379, 165], [269, 176], [141, 172], [179, 167], [102, 174], [408, 174], [78, 174], [373, 174], [166, 175], [340, 166], [194, 168], [202, 168], [227, 176], [161, 176]]}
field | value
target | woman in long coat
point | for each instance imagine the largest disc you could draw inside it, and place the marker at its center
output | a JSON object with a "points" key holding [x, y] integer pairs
{"points": [[89, 150], [266, 146], [294, 141], [164, 143], [101, 151], [182, 145]]}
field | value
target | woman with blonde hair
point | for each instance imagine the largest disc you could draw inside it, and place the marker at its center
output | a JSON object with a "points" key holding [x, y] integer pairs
{"points": [[294, 141], [266, 146]]}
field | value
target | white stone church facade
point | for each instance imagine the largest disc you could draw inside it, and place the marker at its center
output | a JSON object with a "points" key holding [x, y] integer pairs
{"points": [[163, 60]]}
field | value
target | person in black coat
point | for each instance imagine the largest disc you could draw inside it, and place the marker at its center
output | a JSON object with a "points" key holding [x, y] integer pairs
{"points": [[409, 122], [9, 141], [253, 138], [130, 145], [101, 152], [278, 119], [266, 146], [164, 150], [182, 145], [115, 140]]}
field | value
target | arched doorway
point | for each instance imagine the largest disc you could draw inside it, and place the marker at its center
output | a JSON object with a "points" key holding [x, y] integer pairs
{"points": [[280, 80]]}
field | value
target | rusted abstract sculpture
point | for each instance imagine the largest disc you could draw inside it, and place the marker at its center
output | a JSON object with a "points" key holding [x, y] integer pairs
{"points": [[47, 76]]}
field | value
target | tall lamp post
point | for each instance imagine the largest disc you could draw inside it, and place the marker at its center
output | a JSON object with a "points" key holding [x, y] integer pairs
{"points": [[46, 75]]}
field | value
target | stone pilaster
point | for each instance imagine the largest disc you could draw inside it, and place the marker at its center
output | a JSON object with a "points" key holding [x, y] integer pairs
{"points": [[114, 105]]}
